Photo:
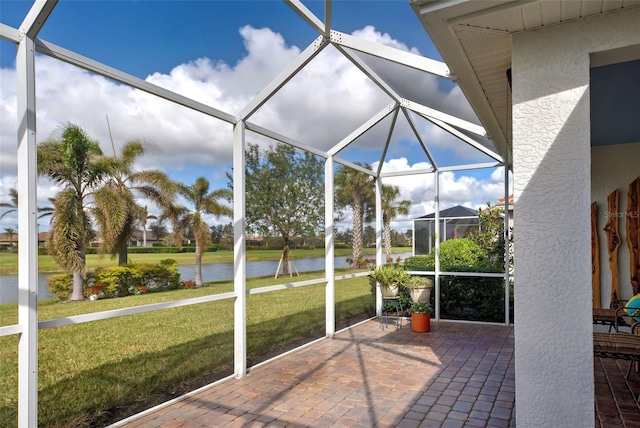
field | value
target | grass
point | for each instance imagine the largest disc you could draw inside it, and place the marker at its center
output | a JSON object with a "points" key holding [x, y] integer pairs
{"points": [[95, 373], [46, 264]]}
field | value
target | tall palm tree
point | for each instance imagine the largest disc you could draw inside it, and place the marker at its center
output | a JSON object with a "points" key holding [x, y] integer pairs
{"points": [[144, 216], [116, 211], [77, 164], [390, 210], [354, 189], [204, 202]]}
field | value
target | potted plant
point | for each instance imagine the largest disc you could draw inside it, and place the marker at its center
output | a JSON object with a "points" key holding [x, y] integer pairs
{"points": [[420, 318], [419, 288], [390, 278]]}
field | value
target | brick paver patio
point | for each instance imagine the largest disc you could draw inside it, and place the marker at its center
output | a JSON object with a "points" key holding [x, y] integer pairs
{"points": [[458, 375]]}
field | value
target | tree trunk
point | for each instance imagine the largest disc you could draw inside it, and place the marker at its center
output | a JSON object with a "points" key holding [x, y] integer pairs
{"points": [[123, 256], [286, 258], [358, 232], [386, 231], [144, 235], [78, 279], [198, 279]]}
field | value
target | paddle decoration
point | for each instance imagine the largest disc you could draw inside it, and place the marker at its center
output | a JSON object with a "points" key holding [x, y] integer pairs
{"points": [[595, 257], [633, 233], [613, 241]]}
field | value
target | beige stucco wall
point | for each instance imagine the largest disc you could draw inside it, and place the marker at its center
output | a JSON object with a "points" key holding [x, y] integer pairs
{"points": [[552, 180], [613, 167]]}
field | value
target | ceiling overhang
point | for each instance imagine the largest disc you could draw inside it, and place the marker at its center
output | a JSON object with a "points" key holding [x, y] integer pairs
{"points": [[474, 39]]}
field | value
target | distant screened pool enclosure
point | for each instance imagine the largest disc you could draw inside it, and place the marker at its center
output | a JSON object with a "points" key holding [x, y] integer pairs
{"points": [[455, 222], [397, 75]]}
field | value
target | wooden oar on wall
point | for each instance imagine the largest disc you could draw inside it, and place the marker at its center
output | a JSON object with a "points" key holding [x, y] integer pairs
{"points": [[633, 233], [613, 241], [595, 257]]}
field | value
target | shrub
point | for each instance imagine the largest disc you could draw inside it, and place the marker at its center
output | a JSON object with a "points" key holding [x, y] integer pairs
{"points": [[61, 285], [131, 278], [455, 255]]}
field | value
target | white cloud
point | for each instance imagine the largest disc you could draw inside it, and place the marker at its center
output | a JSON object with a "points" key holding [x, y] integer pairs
{"points": [[320, 106]]}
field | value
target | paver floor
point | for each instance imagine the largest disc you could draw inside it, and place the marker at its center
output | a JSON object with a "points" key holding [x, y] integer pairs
{"points": [[456, 375]]}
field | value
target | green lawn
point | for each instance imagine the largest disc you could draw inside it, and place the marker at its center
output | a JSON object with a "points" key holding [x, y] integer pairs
{"points": [[46, 264], [94, 373]]}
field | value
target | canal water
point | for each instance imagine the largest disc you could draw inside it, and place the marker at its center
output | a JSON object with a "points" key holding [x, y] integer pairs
{"points": [[210, 272]]}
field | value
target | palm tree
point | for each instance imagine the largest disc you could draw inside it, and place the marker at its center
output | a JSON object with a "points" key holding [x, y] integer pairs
{"points": [[10, 231], [13, 205], [204, 202], [354, 189], [391, 210], [116, 211], [77, 164], [144, 216]]}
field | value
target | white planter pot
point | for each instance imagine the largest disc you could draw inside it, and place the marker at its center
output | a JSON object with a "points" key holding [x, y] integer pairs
{"points": [[420, 295], [388, 292]]}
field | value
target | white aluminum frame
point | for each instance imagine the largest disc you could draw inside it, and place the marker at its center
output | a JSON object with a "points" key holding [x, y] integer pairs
{"points": [[28, 44]]}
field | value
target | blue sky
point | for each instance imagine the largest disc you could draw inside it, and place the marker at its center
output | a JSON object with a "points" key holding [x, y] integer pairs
{"points": [[222, 53]]}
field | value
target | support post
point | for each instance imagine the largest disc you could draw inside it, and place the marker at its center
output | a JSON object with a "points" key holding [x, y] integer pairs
{"points": [[239, 255], [507, 288], [437, 244], [329, 263], [378, 184], [28, 236]]}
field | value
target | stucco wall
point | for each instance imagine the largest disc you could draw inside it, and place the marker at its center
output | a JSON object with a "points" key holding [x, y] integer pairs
{"points": [[613, 167], [552, 177]]}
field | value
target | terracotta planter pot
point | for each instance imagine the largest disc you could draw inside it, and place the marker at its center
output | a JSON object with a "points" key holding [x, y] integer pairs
{"points": [[420, 323], [420, 295]]}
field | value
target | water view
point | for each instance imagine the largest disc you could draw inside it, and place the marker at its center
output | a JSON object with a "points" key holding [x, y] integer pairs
{"points": [[210, 272]]}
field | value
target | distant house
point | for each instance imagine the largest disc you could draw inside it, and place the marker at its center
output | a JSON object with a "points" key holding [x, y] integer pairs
{"points": [[137, 239], [500, 203], [8, 240], [455, 222]]}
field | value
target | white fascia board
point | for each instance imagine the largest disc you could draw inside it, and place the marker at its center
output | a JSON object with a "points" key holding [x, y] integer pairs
{"points": [[398, 56], [466, 139], [95, 316], [307, 15], [284, 139], [36, 17], [358, 62], [363, 128], [408, 172], [9, 34], [471, 166], [354, 166], [285, 75], [85, 63], [428, 112], [434, 164], [437, 5]]}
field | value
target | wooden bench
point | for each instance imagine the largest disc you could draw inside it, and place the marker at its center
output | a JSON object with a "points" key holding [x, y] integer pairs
{"points": [[621, 346]]}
